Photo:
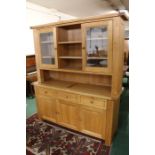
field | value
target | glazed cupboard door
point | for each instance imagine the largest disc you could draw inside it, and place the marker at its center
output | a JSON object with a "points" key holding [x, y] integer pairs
{"points": [[97, 46], [48, 48]]}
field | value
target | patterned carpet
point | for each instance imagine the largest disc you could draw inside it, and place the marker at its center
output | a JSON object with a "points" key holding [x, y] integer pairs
{"points": [[43, 138]]}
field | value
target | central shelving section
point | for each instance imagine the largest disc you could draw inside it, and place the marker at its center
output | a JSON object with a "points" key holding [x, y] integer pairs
{"points": [[70, 47]]}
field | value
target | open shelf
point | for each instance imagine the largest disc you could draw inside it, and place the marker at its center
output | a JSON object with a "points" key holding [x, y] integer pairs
{"points": [[73, 76], [66, 70], [58, 83], [70, 57], [91, 90], [86, 89], [70, 34], [73, 64], [69, 42], [70, 47], [70, 50], [72, 68]]}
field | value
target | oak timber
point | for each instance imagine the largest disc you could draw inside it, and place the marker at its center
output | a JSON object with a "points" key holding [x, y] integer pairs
{"points": [[71, 93]]}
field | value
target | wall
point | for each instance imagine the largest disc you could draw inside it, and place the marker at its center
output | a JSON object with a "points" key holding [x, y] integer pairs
{"points": [[37, 15]]}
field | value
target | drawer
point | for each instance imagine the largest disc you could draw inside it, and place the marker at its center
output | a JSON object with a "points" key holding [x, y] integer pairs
{"points": [[94, 102], [69, 97], [41, 91]]}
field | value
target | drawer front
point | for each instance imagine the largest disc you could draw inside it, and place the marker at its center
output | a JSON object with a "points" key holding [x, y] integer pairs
{"points": [[69, 97], [41, 91], [94, 102]]}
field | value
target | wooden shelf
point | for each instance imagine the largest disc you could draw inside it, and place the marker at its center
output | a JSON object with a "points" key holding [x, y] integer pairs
{"points": [[70, 57], [69, 68], [74, 71], [85, 89], [99, 58], [92, 90], [70, 42], [57, 83]]}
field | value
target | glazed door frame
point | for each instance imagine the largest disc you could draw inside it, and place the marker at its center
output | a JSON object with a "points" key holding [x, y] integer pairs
{"points": [[85, 26], [53, 31]]}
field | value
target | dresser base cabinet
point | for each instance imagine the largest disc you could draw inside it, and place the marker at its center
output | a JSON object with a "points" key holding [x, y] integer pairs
{"points": [[93, 116]]}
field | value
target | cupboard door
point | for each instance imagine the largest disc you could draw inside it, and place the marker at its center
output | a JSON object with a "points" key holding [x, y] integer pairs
{"points": [[68, 114], [93, 121], [48, 48], [47, 108], [97, 46]]}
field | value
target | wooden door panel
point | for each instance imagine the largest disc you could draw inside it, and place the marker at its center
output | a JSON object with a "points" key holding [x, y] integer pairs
{"points": [[68, 114], [47, 108], [93, 122]]}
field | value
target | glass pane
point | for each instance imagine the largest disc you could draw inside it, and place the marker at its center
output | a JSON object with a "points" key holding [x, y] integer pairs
{"points": [[96, 46], [47, 48]]}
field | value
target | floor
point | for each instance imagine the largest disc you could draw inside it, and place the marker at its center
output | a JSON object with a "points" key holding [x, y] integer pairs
{"points": [[30, 106], [120, 145]]}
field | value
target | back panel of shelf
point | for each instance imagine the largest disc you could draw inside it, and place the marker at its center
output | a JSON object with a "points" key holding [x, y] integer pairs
{"points": [[92, 79], [70, 50], [72, 64], [82, 83], [69, 33]]}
